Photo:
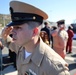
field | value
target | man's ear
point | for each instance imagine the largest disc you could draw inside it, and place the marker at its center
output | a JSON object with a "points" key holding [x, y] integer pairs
{"points": [[35, 31]]}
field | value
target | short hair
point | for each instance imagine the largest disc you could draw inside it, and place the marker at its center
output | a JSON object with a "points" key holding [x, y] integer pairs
{"points": [[45, 23], [70, 27], [33, 24]]}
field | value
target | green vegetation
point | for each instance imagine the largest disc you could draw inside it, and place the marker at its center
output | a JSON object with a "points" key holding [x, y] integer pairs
{"points": [[4, 19]]}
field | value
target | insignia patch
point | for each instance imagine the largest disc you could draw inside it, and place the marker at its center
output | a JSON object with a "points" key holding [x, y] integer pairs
{"points": [[28, 73], [32, 72], [59, 66]]}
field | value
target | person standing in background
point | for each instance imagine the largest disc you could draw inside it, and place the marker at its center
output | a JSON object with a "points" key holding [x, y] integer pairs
{"points": [[62, 33], [47, 35], [58, 42], [70, 39], [44, 36], [53, 28]]}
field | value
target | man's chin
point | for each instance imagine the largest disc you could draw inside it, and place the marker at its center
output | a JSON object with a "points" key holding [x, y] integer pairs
{"points": [[19, 44], [16, 42]]}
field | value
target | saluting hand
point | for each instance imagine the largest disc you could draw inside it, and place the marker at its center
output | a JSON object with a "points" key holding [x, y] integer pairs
{"points": [[6, 31]]}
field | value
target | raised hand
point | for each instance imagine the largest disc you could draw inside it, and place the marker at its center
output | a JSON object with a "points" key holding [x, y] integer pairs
{"points": [[6, 32]]}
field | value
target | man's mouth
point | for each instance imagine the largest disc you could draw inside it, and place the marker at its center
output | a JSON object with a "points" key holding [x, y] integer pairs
{"points": [[14, 39]]}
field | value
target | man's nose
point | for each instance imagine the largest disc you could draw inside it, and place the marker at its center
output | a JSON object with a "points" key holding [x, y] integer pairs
{"points": [[13, 31]]}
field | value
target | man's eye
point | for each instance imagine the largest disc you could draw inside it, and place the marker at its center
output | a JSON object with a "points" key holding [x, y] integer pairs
{"points": [[17, 27]]}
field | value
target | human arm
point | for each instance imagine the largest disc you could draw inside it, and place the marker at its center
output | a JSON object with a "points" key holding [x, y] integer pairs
{"points": [[57, 40], [56, 66], [6, 39], [6, 32]]}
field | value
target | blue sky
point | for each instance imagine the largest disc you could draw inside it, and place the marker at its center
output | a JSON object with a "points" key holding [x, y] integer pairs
{"points": [[56, 9]]}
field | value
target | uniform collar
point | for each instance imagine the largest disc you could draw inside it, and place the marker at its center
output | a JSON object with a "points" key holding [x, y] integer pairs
{"points": [[38, 54], [27, 60]]}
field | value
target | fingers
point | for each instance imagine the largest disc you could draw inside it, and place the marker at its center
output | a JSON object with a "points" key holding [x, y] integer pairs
{"points": [[6, 31]]}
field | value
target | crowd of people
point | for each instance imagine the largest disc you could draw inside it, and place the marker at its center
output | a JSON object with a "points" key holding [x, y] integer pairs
{"points": [[36, 50], [60, 39]]}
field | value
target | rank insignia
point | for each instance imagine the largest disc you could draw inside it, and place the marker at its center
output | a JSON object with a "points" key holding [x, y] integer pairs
{"points": [[28, 73]]}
